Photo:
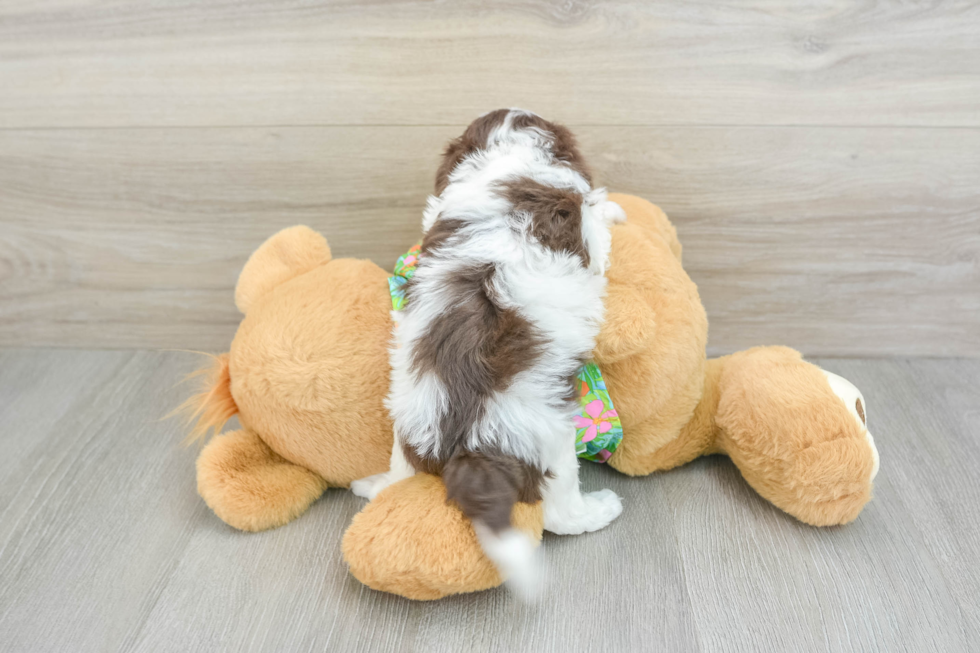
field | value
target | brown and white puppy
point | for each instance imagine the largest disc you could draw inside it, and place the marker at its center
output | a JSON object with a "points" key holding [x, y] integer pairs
{"points": [[503, 309]]}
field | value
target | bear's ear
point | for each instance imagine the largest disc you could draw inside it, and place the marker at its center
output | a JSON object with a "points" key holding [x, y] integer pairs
{"points": [[286, 255]]}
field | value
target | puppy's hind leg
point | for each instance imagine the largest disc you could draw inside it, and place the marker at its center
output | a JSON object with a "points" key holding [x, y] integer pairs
{"points": [[566, 510], [399, 469]]}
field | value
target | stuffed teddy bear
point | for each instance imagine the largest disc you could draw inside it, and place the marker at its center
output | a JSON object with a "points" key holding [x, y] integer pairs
{"points": [[308, 372]]}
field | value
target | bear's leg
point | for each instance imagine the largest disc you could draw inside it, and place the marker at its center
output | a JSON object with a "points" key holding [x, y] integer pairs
{"points": [[797, 434], [411, 541], [251, 487]]}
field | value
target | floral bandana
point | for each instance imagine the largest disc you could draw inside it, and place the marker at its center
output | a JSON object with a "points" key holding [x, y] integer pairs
{"points": [[597, 425]]}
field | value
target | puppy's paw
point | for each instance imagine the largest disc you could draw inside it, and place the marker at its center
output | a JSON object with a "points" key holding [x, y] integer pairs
{"points": [[603, 507], [590, 512], [369, 486], [613, 213]]}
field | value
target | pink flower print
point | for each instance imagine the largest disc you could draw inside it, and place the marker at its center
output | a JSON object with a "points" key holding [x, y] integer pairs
{"points": [[597, 424], [604, 455], [409, 261]]}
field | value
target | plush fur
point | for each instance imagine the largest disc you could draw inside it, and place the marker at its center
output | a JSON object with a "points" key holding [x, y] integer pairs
{"points": [[249, 486], [294, 251], [210, 409], [794, 441], [651, 349], [308, 371]]}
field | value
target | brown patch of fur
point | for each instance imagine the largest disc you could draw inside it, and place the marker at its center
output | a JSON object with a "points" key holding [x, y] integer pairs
{"points": [[556, 214], [473, 139], [563, 144], [487, 485], [529, 491], [860, 410], [516, 345], [439, 233], [475, 348], [423, 464]]}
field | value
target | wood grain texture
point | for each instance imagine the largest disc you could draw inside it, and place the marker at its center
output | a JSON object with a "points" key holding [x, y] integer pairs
{"points": [[837, 241], [121, 237], [271, 62], [820, 160], [105, 546], [96, 509]]}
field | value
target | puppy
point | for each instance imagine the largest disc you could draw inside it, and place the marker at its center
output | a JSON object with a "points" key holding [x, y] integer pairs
{"points": [[503, 309]]}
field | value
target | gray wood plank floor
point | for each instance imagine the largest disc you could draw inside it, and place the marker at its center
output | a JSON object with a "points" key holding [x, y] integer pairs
{"points": [[105, 546]]}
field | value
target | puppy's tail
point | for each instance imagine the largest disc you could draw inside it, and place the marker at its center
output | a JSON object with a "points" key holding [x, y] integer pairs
{"points": [[486, 487]]}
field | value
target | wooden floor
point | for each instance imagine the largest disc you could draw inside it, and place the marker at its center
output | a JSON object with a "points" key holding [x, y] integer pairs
{"points": [[105, 546]]}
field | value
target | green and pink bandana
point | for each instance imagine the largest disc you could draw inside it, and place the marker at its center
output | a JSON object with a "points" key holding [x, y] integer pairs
{"points": [[597, 425]]}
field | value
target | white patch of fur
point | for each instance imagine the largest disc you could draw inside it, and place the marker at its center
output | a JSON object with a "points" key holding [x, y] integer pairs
{"points": [[514, 554]]}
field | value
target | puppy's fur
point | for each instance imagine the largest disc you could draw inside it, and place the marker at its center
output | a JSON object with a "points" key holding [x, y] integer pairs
{"points": [[503, 309]]}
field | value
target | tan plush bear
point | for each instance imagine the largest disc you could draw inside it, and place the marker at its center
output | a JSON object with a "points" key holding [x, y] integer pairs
{"points": [[308, 372]]}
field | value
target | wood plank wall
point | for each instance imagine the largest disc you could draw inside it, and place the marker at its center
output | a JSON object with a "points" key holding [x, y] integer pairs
{"points": [[821, 161]]}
